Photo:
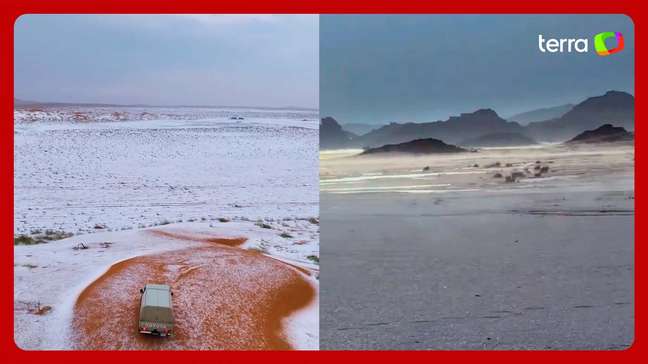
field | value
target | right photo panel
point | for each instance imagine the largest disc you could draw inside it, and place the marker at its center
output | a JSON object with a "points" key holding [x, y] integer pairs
{"points": [[477, 182]]}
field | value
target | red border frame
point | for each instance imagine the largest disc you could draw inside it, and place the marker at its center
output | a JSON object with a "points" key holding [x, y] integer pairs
{"points": [[10, 12]]}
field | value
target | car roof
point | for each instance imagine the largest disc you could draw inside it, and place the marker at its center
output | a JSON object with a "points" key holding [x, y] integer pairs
{"points": [[157, 286], [157, 295]]}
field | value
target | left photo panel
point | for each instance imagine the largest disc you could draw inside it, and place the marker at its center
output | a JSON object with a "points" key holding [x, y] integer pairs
{"points": [[166, 182]]}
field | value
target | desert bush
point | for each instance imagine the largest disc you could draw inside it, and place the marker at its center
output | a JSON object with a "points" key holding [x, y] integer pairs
{"points": [[24, 240], [516, 175], [51, 235], [262, 224], [38, 309]]}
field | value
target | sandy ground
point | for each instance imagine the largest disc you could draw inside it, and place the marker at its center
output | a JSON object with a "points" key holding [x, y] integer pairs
{"points": [[473, 262], [224, 298], [230, 291], [343, 172]]}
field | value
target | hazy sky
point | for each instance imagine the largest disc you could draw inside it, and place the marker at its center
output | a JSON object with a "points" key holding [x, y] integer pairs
{"points": [[260, 60], [383, 68]]}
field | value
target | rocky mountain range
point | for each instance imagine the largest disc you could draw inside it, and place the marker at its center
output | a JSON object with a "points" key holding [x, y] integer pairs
{"points": [[332, 136], [603, 134], [498, 140], [545, 113], [614, 107], [359, 128]]}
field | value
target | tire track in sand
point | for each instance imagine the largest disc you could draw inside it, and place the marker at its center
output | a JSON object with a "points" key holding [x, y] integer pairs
{"points": [[224, 298]]}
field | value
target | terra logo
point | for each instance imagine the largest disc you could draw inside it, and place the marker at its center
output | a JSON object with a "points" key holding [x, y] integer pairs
{"points": [[601, 47], [581, 45]]}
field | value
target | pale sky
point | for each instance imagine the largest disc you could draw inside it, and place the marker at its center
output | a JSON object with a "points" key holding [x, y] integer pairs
{"points": [[234, 60], [384, 68]]}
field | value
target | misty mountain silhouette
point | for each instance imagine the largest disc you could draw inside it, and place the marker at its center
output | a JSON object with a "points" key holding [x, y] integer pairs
{"points": [[603, 134], [615, 107], [545, 113], [419, 146], [453, 130], [359, 128], [499, 140], [332, 136]]}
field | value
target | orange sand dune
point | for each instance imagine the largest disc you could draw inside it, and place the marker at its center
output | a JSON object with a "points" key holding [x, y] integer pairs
{"points": [[199, 237], [224, 298]]}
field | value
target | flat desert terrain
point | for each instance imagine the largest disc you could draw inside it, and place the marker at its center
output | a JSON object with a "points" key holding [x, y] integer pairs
{"points": [[437, 252]]}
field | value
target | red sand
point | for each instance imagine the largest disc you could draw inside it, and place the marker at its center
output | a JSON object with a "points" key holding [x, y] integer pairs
{"points": [[199, 237], [224, 298]]}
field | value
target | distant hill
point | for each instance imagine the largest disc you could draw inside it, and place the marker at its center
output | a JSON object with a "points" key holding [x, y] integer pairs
{"points": [[499, 140], [604, 134], [453, 130], [541, 114], [359, 128], [615, 107], [419, 146], [332, 136]]}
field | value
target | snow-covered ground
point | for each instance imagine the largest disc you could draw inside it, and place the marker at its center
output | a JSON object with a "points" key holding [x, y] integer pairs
{"points": [[124, 175], [80, 113], [110, 180]]}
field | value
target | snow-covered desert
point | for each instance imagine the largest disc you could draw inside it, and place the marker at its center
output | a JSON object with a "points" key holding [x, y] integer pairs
{"points": [[219, 203]]}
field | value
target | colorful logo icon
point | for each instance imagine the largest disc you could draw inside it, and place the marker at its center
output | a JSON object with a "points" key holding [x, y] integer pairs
{"points": [[602, 49]]}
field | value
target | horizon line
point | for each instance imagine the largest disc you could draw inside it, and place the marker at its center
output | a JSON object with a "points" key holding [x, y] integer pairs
{"points": [[205, 106]]}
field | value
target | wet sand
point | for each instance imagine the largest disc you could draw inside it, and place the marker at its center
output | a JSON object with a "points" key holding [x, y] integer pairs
{"points": [[345, 173], [485, 275], [544, 263], [225, 297]]}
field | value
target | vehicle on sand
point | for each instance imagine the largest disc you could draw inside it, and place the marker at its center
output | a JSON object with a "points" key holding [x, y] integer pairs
{"points": [[156, 312]]}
